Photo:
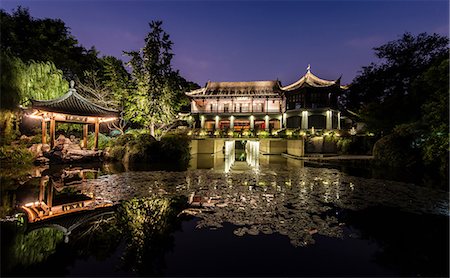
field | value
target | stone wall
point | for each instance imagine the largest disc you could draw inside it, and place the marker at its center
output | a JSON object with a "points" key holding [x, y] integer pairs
{"points": [[272, 146], [207, 146], [296, 147]]}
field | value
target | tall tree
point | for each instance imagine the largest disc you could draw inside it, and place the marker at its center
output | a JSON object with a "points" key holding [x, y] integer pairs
{"points": [[108, 86], [151, 103], [382, 93], [44, 40]]}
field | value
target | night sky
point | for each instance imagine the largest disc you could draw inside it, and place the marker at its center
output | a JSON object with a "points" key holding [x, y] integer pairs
{"points": [[249, 40]]}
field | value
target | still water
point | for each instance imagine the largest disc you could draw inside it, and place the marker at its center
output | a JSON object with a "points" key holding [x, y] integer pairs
{"points": [[232, 214]]}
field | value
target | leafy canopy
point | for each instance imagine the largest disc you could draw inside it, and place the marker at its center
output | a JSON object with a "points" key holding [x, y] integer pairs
{"points": [[383, 94], [152, 77]]}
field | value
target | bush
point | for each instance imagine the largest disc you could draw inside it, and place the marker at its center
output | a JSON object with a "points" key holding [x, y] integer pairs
{"points": [[103, 141], [173, 149], [396, 150], [17, 154]]}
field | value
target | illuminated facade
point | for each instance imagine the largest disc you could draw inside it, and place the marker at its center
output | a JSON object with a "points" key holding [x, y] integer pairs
{"points": [[267, 105]]}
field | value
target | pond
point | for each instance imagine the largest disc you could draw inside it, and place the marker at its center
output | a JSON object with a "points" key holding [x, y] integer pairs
{"points": [[232, 214]]}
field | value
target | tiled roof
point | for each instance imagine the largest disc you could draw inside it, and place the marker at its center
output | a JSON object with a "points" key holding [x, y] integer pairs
{"points": [[262, 88], [251, 88], [310, 80], [73, 103]]}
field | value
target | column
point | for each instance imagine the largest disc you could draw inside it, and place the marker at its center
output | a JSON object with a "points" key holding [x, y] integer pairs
{"points": [[52, 132], [305, 116], [202, 121], [49, 202], [329, 120], [97, 129], [252, 122], [339, 120], [267, 122], [285, 120], [231, 122], [85, 135], [217, 122], [44, 131]]}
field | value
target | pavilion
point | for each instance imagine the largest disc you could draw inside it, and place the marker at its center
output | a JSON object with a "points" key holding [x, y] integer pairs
{"points": [[71, 108], [267, 105]]}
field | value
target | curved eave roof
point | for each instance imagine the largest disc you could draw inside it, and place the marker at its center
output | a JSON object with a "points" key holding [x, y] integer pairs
{"points": [[229, 89], [73, 103], [310, 80]]}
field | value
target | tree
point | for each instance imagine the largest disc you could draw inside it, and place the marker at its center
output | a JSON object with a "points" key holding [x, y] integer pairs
{"points": [[44, 40], [382, 93], [151, 103], [108, 86], [435, 115]]}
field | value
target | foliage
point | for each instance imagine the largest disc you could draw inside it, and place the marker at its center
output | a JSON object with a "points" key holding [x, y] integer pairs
{"points": [[103, 141], [15, 154], [10, 81], [383, 93], [398, 149], [33, 80], [8, 126], [108, 86], [158, 90], [263, 134], [151, 102], [147, 224], [172, 150], [44, 40], [175, 149], [435, 120], [31, 248]]}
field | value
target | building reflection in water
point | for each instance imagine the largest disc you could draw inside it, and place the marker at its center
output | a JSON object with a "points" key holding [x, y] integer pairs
{"points": [[62, 193], [248, 152]]}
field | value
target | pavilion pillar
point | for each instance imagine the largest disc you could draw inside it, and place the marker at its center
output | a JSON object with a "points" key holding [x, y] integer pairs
{"points": [[50, 195], [231, 122], [217, 122], [52, 131], [305, 120], [202, 121], [329, 122], [266, 122], [252, 122], [339, 120], [284, 120], [97, 129], [85, 135], [44, 131]]}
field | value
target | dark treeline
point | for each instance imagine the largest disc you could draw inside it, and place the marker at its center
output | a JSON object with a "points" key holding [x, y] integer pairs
{"points": [[404, 100]]}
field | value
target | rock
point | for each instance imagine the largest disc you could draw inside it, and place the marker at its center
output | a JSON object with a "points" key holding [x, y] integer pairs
{"points": [[24, 138], [45, 148], [36, 149]]}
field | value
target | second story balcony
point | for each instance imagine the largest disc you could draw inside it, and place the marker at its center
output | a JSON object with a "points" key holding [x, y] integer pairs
{"points": [[236, 110]]}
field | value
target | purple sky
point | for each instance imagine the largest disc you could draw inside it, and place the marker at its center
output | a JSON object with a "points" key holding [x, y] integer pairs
{"points": [[249, 40]]}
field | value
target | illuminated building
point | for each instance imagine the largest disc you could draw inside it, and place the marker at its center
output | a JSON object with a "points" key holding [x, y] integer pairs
{"points": [[266, 105]]}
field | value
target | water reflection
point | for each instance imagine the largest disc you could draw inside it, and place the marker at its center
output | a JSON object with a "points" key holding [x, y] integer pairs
{"points": [[274, 195]]}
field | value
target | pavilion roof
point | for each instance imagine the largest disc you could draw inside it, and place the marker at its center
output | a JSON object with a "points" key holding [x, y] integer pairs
{"points": [[73, 103], [228, 89], [311, 80]]}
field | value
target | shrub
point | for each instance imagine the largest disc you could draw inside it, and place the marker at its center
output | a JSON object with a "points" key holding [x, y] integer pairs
{"points": [[173, 149], [396, 150], [176, 148], [16, 154], [102, 141]]}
